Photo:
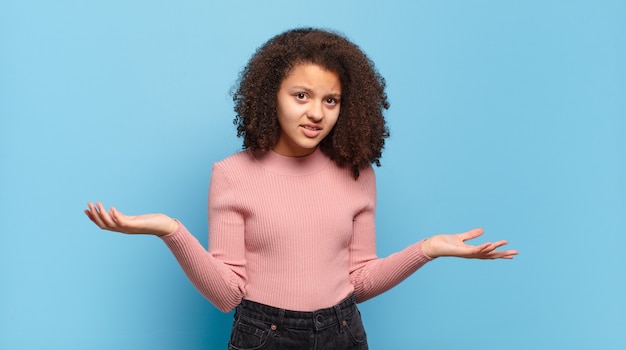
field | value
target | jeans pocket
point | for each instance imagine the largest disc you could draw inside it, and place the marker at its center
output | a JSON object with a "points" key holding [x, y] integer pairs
{"points": [[353, 325], [249, 334]]}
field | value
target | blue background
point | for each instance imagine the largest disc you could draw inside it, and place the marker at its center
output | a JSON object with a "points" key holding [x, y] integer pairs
{"points": [[508, 115]]}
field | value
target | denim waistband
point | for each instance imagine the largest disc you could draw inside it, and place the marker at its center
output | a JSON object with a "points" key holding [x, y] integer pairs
{"points": [[318, 320]]}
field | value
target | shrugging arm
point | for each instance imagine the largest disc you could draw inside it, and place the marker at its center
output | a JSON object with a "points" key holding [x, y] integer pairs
{"points": [[219, 273], [369, 274]]}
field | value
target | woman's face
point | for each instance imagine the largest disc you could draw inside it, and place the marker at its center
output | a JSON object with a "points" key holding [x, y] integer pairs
{"points": [[308, 107]]}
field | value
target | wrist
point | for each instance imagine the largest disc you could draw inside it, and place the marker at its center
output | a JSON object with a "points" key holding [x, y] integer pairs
{"points": [[170, 228], [426, 248]]}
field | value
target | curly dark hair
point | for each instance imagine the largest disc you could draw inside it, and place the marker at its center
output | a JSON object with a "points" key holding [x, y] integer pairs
{"points": [[359, 135]]}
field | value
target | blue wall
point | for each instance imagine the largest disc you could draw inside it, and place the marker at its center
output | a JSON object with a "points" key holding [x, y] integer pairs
{"points": [[508, 115]]}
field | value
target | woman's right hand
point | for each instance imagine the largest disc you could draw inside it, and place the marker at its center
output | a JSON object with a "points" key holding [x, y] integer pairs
{"points": [[114, 220]]}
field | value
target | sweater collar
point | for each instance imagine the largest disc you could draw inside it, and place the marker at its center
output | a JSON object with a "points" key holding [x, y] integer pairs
{"points": [[284, 165]]}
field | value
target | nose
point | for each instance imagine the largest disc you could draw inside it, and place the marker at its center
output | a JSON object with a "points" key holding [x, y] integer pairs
{"points": [[315, 111]]}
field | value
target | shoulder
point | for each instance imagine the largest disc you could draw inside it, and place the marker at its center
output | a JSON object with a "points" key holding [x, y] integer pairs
{"points": [[236, 161], [367, 179], [367, 174], [233, 169], [343, 178]]}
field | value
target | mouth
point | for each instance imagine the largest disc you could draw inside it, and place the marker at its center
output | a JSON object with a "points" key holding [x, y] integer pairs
{"points": [[311, 127], [311, 130]]}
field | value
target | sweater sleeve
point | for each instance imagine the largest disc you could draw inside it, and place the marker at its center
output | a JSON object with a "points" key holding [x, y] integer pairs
{"points": [[219, 273], [369, 274]]}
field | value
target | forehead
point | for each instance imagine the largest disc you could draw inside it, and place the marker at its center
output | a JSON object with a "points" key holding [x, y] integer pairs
{"points": [[312, 75]]}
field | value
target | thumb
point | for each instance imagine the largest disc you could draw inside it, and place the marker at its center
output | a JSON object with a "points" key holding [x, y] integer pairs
{"points": [[471, 234]]}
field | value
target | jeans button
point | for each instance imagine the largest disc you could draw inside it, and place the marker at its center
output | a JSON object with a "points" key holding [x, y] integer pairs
{"points": [[319, 318]]}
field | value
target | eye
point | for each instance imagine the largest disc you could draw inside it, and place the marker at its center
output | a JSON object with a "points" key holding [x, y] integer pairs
{"points": [[300, 96], [332, 101]]}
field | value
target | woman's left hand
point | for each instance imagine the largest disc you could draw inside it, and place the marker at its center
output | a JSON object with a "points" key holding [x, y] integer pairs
{"points": [[454, 245]]}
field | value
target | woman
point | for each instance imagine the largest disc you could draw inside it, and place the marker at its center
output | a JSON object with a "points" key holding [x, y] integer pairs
{"points": [[291, 217]]}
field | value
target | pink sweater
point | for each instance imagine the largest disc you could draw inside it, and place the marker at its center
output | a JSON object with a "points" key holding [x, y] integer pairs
{"points": [[294, 233]]}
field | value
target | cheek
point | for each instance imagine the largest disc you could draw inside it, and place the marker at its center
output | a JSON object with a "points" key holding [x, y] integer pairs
{"points": [[333, 118], [289, 111], [282, 114]]}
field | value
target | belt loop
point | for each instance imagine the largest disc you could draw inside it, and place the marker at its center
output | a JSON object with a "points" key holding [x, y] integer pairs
{"points": [[339, 319], [237, 312], [281, 316]]}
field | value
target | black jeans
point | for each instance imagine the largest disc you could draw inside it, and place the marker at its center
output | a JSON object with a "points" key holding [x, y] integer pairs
{"points": [[259, 326]]}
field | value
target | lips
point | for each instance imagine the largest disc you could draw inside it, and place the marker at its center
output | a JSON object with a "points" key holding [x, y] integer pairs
{"points": [[310, 130]]}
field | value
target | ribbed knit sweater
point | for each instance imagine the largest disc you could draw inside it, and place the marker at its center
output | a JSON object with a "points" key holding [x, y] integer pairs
{"points": [[293, 233]]}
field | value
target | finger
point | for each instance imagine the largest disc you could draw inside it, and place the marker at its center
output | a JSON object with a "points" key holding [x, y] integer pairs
{"points": [[105, 217], [485, 248], [471, 234], [505, 254], [91, 207], [490, 246], [117, 216], [510, 253], [94, 215], [113, 214], [88, 213], [477, 252], [501, 243]]}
